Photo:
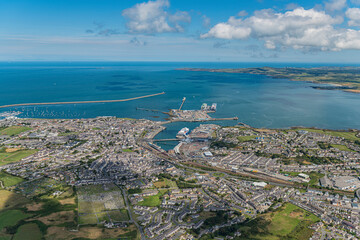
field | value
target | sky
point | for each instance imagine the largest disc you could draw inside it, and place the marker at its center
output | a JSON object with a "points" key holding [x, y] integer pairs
{"points": [[180, 30]]}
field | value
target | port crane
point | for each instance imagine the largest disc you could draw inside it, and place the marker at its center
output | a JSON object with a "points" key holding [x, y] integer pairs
{"points": [[182, 103]]}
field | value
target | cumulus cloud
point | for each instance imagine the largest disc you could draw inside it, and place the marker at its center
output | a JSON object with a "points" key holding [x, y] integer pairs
{"points": [[151, 17], [354, 16], [335, 5], [298, 29]]}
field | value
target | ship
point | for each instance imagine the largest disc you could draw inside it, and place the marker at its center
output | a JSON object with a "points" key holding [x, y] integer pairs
{"points": [[183, 132], [213, 107]]}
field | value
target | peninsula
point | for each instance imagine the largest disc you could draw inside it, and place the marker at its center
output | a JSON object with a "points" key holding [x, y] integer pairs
{"points": [[339, 78]]}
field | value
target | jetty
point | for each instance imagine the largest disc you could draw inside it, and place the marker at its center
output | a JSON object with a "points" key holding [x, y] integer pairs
{"points": [[81, 102]]}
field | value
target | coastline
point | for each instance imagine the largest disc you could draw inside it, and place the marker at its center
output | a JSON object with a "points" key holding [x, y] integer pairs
{"points": [[351, 84]]}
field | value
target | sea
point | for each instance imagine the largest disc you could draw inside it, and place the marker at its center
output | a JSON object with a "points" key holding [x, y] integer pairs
{"points": [[257, 100]]}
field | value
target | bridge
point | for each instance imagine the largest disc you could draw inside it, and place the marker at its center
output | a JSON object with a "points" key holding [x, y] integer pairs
{"points": [[80, 102]]}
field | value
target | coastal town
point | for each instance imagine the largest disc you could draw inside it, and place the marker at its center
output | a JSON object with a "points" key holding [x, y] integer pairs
{"points": [[107, 175]]}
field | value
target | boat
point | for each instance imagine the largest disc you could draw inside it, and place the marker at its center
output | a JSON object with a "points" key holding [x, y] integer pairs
{"points": [[183, 132]]}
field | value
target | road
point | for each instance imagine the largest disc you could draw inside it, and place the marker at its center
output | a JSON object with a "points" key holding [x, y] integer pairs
{"points": [[80, 102], [131, 216]]}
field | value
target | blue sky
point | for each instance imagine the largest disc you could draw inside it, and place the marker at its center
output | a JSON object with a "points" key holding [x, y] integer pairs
{"points": [[180, 30]]}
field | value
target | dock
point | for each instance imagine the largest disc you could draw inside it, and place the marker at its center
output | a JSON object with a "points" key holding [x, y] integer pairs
{"points": [[166, 140], [201, 120]]}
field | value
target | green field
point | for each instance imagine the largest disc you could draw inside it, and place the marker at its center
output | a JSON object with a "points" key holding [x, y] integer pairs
{"points": [[288, 222], [6, 158], [127, 150], [88, 219], [9, 180], [245, 138], [153, 201], [347, 135], [14, 130], [314, 176], [119, 215], [165, 183], [28, 231], [11, 217], [342, 147]]}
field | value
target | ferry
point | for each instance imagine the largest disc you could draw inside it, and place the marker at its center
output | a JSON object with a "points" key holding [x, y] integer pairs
{"points": [[183, 132]]}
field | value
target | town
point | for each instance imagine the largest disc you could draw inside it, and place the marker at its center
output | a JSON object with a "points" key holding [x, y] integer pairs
{"points": [[78, 178]]}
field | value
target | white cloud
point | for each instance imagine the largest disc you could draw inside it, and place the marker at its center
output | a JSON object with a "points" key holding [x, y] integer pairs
{"points": [[354, 16], [298, 29], [151, 17], [229, 30], [335, 5]]}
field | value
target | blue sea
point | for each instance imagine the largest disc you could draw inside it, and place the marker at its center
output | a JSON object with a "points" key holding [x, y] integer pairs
{"points": [[259, 101]]}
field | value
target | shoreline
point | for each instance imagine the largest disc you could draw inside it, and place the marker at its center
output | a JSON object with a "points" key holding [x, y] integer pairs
{"points": [[299, 74]]}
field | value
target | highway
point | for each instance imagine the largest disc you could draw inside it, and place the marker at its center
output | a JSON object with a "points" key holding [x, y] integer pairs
{"points": [[80, 102]]}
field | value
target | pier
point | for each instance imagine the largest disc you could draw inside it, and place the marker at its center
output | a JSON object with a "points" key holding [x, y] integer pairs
{"points": [[201, 120], [80, 102], [166, 140]]}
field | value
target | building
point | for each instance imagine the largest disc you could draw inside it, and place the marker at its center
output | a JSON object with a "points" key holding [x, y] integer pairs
{"points": [[346, 183]]}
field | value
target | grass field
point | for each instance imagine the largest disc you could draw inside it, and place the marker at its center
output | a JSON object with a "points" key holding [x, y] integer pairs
{"points": [[127, 150], [314, 176], [9, 157], [28, 231], [9, 180], [9, 199], [288, 222], [245, 138], [91, 232], [119, 215], [153, 201], [14, 130], [165, 183], [88, 219], [347, 135], [342, 147], [11, 218]]}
